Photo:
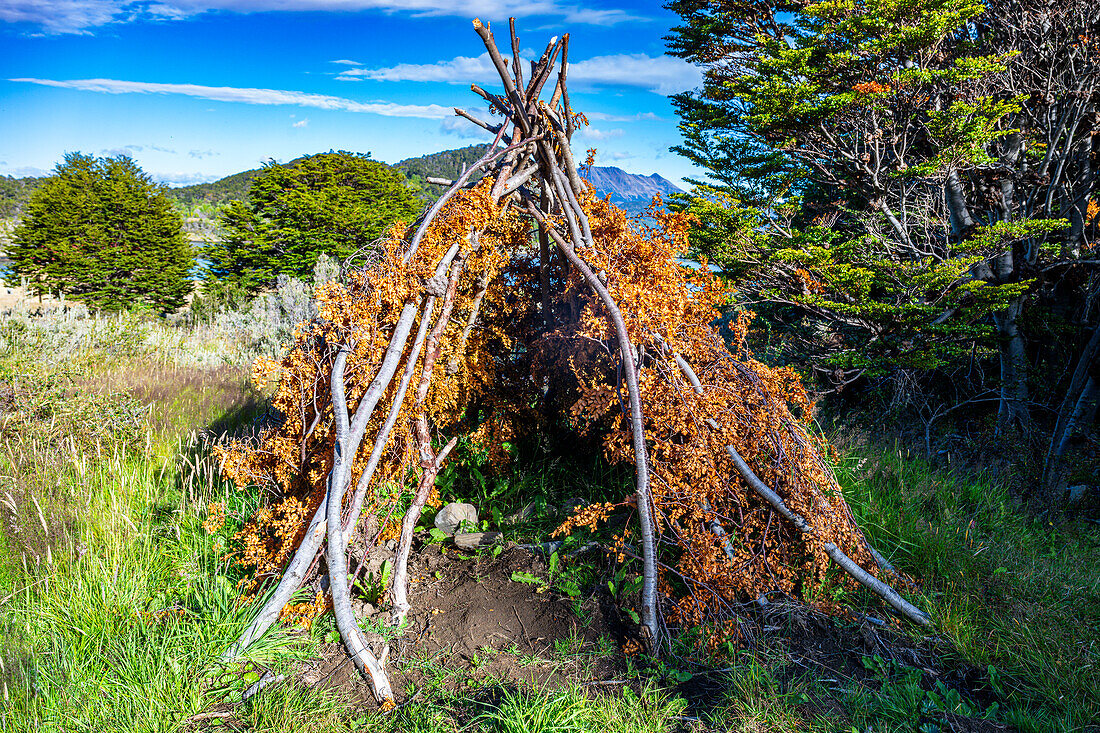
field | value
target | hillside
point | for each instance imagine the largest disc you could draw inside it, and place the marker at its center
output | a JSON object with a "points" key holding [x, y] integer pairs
{"points": [[222, 190], [14, 194], [631, 191], [444, 164]]}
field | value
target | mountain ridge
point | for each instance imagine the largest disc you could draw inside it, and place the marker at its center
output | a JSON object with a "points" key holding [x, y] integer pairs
{"points": [[631, 191]]}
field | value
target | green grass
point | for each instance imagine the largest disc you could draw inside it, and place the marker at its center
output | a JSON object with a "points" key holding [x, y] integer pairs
{"points": [[115, 604], [1007, 589]]}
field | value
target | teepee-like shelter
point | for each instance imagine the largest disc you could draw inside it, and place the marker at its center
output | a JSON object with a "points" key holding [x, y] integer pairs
{"points": [[523, 288]]}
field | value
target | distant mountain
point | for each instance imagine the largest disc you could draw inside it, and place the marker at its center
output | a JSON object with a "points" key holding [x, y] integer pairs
{"points": [[630, 191]]}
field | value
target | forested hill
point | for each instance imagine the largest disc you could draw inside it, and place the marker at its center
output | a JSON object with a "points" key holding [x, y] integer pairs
{"points": [[14, 194], [631, 191], [224, 189], [446, 164]]}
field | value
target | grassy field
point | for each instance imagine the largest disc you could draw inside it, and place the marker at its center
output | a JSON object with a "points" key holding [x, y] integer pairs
{"points": [[116, 603]]}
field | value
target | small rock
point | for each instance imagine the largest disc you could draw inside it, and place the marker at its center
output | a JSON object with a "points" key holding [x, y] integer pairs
{"points": [[474, 540], [451, 517], [369, 609], [571, 505]]}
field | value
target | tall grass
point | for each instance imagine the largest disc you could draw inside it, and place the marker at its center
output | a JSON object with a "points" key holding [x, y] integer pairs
{"points": [[115, 603], [1010, 591]]}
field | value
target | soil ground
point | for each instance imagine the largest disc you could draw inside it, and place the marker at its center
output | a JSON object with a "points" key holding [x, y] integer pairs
{"points": [[474, 629], [469, 616]]}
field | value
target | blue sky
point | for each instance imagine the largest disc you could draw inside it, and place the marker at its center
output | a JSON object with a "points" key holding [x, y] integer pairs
{"points": [[196, 89]]}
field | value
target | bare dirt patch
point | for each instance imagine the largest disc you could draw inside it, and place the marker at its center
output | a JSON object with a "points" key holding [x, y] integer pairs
{"points": [[471, 621]]}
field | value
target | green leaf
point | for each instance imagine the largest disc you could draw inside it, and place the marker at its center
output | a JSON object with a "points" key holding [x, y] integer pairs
{"points": [[525, 577]]}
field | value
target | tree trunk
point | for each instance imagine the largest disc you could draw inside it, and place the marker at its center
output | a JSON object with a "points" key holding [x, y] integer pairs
{"points": [[1012, 410], [1078, 406]]}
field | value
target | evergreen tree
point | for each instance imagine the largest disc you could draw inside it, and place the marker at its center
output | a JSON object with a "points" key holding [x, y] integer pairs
{"points": [[893, 179], [332, 203], [101, 231]]}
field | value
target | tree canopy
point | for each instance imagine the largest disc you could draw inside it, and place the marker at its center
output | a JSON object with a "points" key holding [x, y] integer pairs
{"points": [[896, 180], [335, 203], [100, 230]]}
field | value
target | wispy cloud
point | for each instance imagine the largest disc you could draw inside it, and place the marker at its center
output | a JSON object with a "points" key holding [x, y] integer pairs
{"points": [[300, 123], [200, 154], [659, 74], [248, 96], [345, 62], [604, 117], [23, 171], [181, 178], [463, 128], [594, 133], [129, 150], [459, 70], [78, 16]]}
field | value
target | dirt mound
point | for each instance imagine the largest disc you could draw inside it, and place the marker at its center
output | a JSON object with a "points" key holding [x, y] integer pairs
{"points": [[491, 602], [487, 616]]}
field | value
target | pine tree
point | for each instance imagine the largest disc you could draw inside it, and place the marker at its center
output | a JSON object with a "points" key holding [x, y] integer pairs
{"points": [[101, 231], [333, 203]]}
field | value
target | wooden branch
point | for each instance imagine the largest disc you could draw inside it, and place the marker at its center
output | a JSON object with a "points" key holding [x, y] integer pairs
{"points": [[502, 70], [637, 423], [491, 154], [383, 436], [399, 588], [482, 283], [337, 558], [881, 589], [876, 586], [291, 580], [495, 129]]}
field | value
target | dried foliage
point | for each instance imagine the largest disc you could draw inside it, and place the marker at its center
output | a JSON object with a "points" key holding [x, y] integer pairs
{"points": [[521, 376], [516, 337]]}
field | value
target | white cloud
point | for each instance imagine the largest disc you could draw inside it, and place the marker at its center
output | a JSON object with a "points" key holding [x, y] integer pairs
{"points": [[604, 117], [463, 128], [77, 16], [300, 123], [248, 96], [620, 155], [459, 70], [180, 178], [25, 171], [659, 74], [129, 150], [593, 133], [200, 154], [346, 62]]}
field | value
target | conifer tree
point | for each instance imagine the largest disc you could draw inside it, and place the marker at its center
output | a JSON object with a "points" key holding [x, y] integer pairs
{"points": [[101, 231], [334, 203], [895, 179]]}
